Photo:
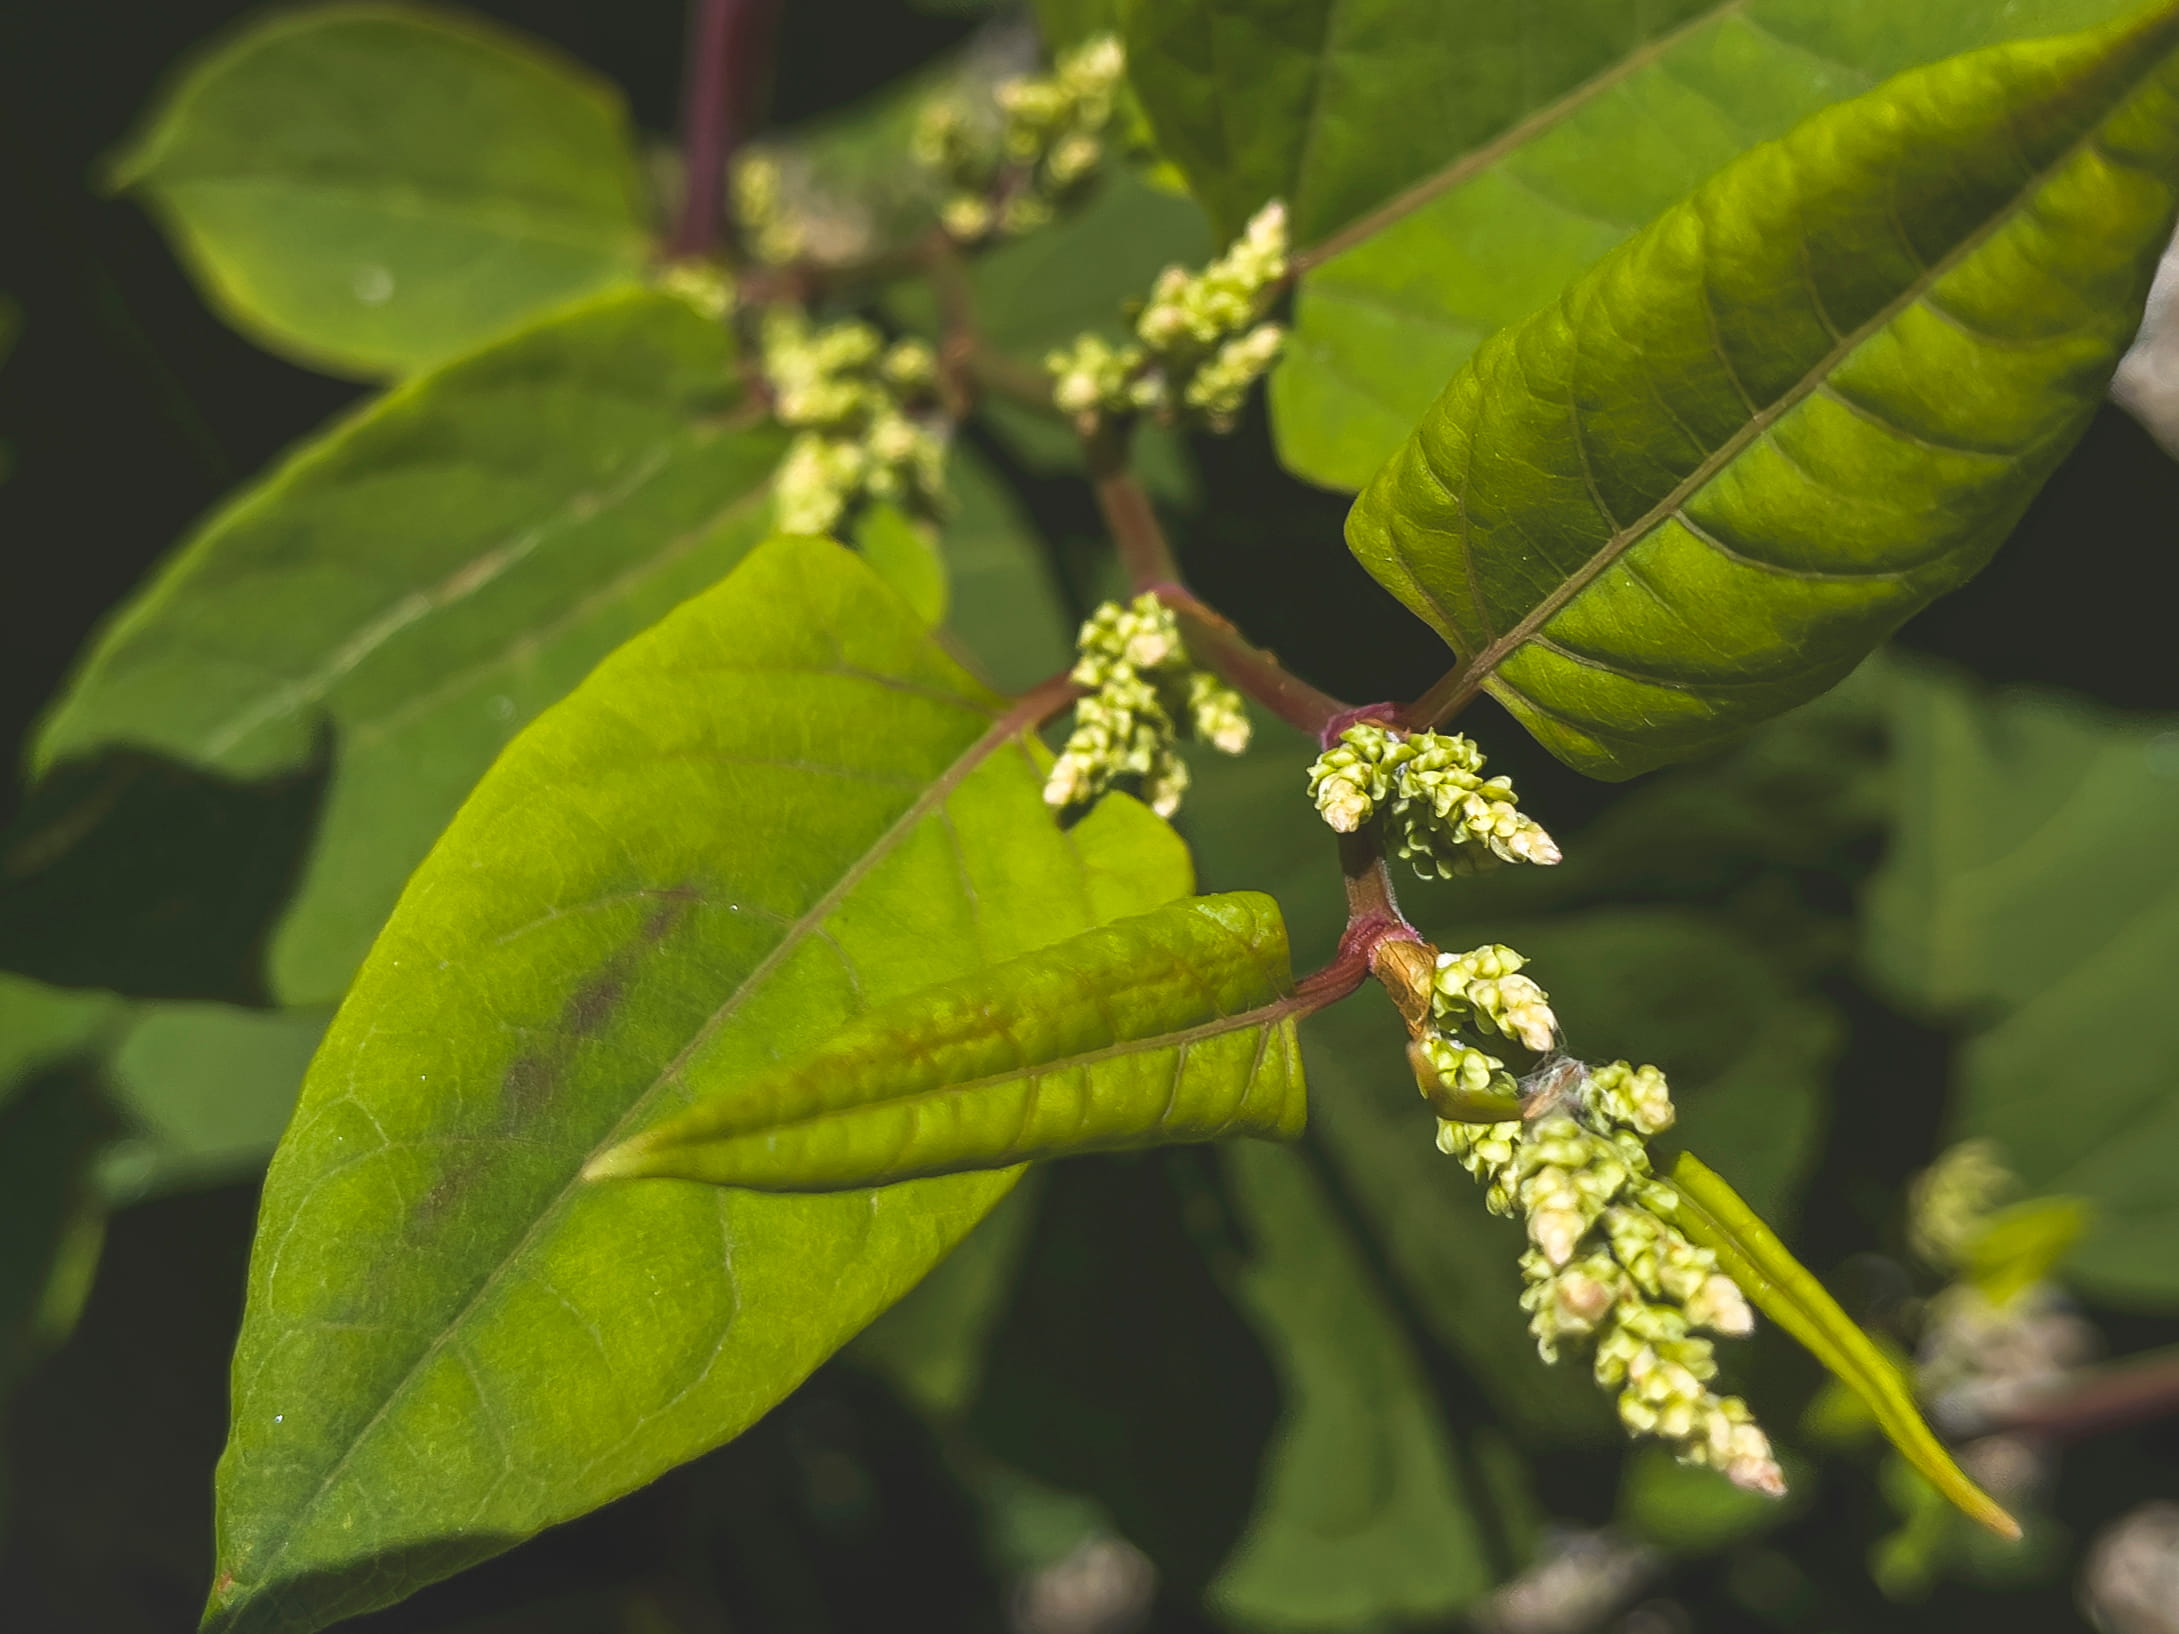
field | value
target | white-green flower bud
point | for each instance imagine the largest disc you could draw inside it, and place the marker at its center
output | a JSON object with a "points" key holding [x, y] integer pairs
{"points": [[967, 217], [1483, 988], [1636, 1098], [1218, 713], [1351, 779]]}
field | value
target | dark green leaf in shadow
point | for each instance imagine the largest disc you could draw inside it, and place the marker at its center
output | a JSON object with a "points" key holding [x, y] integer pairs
{"points": [[1361, 1520], [155, 877], [41, 1027], [1172, 1026], [1123, 1368], [426, 577], [1744, 447], [374, 188], [1529, 183], [2031, 894], [109, 1516], [51, 1216], [1006, 604], [1783, 1289], [778, 808]]}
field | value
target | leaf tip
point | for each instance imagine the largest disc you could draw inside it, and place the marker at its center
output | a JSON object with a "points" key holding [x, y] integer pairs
{"points": [[627, 1161]]}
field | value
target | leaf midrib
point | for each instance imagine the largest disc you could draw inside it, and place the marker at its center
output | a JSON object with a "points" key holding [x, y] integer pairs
{"points": [[1516, 135], [1264, 1016], [1474, 672], [1021, 716]]}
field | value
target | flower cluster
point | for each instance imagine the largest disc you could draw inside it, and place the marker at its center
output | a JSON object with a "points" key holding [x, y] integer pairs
{"points": [[1605, 1260], [1049, 141], [1143, 687], [865, 414], [1443, 816], [1198, 346]]}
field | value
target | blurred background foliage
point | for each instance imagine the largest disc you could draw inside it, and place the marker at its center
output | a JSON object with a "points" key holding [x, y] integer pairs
{"points": [[1242, 1388]]}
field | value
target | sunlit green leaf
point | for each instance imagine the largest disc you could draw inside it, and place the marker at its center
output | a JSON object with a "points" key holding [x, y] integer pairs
{"points": [[1361, 1519], [2031, 894], [930, 1346], [778, 808], [1614, 113], [1175, 1025], [423, 579], [1818, 393], [1779, 1286], [373, 188]]}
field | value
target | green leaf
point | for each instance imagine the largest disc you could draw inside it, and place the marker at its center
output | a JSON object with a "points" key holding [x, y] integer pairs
{"points": [[2031, 893], [1778, 1285], [1125, 1369], [780, 807], [206, 1090], [372, 188], [43, 1026], [423, 579], [1750, 442], [1616, 112], [930, 1347], [906, 557], [1360, 1520], [1006, 606], [1171, 1026]]}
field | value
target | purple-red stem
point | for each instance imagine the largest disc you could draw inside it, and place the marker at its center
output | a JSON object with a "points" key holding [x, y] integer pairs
{"points": [[727, 40]]}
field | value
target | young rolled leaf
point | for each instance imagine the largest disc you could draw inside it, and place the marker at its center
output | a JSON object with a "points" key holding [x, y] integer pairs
{"points": [[422, 579], [1175, 1025], [1751, 441], [782, 806], [373, 188], [1712, 1214]]}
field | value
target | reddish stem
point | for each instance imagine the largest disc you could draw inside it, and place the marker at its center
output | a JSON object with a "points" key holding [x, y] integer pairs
{"points": [[1214, 641], [2098, 1399], [1447, 697], [1144, 555], [727, 39]]}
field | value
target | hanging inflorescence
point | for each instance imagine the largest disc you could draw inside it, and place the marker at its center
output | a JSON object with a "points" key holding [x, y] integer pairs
{"points": [[866, 415], [1199, 345], [1441, 814], [1605, 1260], [1144, 692]]}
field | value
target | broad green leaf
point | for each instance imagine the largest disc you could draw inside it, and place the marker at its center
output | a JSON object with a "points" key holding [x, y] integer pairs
{"points": [[781, 806], [1616, 113], [206, 1090], [422, 580], [1171, 1026], [930, 1347], [2031, 893], [906, 557], [1361, 1520], [373, 188], [1799, 405], [1779, 1286]]}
